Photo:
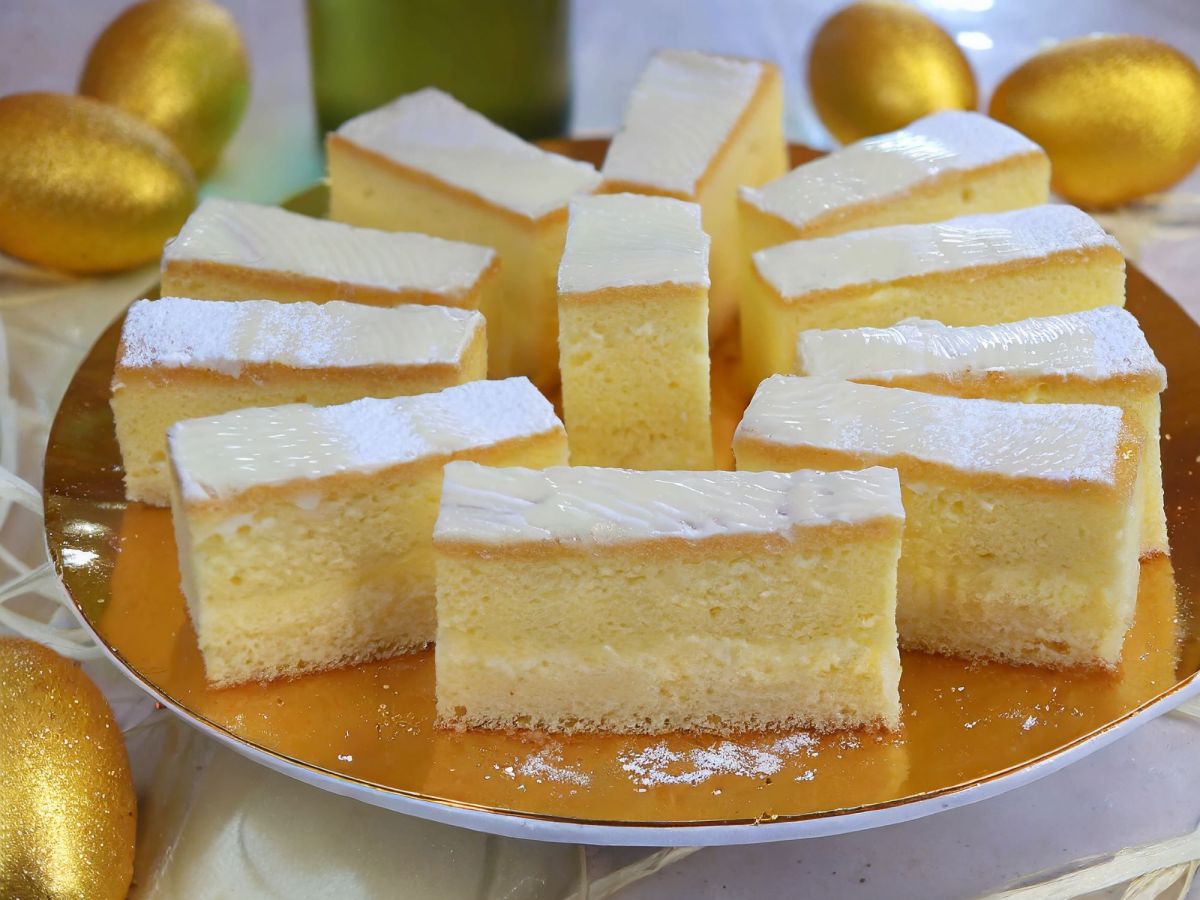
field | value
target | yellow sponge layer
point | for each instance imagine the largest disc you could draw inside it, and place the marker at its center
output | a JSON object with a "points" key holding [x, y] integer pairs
{"points": [[521, 311], [368, 585], [1141, 401], [635, 377], [147, 402], [983, 296], [713, 636], [1004, 570]]}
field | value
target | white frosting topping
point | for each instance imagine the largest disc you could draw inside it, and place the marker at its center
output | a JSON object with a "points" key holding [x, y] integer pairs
{"points": [[572, 505], [270, 239], [1095, 345], [902, 251], [222, 456], [623, 240], [1046, 441], [224, 335], [680, 114], [431, 132], [889, 165]]}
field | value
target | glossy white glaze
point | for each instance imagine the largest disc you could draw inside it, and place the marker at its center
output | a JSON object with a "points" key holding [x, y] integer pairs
{"points": [[1097, 345], [682, 110], [270, 239], [625, 240], [433, 133], [889, 165], [224, 336], [613, 506], [879, 255], [1046, 441], [222, 456]]}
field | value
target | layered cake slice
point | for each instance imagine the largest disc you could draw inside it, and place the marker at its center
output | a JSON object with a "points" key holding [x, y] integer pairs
{"points": [[1097, 356], [947, 164], [230, 250], [633, 344], [427, 163], [647, 601], [352, 492], [1022, 519], [697, 127], [974, 270], [184, 359]]}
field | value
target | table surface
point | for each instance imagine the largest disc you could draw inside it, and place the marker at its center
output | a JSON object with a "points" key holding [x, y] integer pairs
{"points": [[1143, 788]]}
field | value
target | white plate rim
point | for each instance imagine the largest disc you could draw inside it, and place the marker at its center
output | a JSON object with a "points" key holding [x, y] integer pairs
{"points": [[532, 827]]}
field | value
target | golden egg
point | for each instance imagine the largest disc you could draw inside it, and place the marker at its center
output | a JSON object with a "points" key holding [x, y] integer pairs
{"points": [[178, 65], [86, 187], [1118, 115], [876, 66], [67, 808]]}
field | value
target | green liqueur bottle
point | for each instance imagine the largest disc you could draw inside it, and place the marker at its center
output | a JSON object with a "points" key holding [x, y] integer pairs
{"points": [[508, 59]]}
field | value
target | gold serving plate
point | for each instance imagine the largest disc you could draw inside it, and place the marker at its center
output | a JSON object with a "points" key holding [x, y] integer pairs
{"points": [[370, 727]]}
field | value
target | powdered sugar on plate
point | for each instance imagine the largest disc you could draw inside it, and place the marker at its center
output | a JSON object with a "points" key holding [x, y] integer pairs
{"points": [[659, 764]]}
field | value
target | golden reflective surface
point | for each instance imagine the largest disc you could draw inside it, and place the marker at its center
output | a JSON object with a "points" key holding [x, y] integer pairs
{"points": [[963, 723]]}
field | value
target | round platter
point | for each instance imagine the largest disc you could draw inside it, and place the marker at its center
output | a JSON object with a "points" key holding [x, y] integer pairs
{"points": [[970, 730]]}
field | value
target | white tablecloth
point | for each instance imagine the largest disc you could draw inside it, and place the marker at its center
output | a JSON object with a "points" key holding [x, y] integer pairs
{"points": [[1142, 788]]}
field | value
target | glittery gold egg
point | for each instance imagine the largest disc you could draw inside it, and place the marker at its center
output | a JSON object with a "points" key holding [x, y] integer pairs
{"points": [[86, 187], [67, 808], [1118, 115], [178, 65], [876, 66]]}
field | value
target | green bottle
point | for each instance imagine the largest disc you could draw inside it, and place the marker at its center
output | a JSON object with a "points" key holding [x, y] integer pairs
{"points": [[508, 59]]}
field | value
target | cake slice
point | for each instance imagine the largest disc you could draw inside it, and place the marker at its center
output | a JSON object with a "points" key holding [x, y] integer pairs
{"points": [[697, 127], [1097, 356], [230, 250], [1022, 520], [185, 359], [647, 601], [633, 340], [975, 270], [948, 164], [427, 163], [305, 533]]}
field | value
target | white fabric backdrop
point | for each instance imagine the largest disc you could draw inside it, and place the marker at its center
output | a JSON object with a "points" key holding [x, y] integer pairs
{"points": [[1143, 788]]}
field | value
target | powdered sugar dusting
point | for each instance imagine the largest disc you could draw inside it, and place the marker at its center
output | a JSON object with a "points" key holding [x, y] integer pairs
{"points": [[880, 255], [224, 336], [1048, 441], [431, 132], [547, 765], [1097, 344], [224, 455], [270, 239], [658, 764]]}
